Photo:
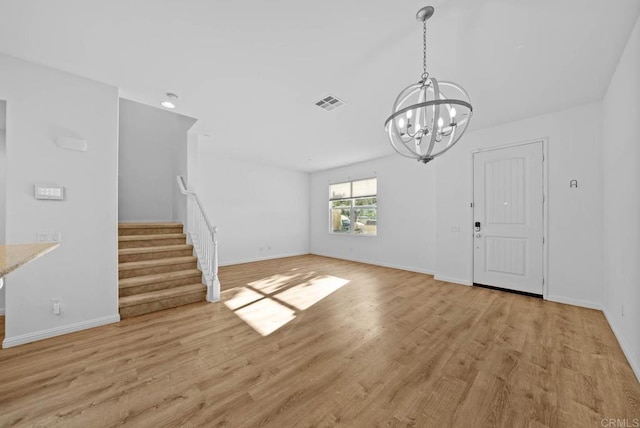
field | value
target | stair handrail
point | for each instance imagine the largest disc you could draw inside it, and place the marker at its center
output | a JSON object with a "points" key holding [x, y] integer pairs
{"points": [[203, 236], [184, 191]]}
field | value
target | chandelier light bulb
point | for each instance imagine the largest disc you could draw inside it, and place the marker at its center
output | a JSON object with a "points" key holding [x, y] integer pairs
{"points": [[431, 103]]}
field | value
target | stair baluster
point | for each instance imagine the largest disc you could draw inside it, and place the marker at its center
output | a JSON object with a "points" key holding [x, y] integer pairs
{"points": [[204, 239]]}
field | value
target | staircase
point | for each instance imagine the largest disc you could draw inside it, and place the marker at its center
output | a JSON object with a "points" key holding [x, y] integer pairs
{"points": [[157, 269]]}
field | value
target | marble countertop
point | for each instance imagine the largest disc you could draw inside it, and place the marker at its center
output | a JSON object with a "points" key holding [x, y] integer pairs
{"points": [[15, 255]]}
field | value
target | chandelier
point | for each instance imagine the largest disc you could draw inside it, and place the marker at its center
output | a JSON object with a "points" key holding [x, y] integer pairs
{"points": [[428, 117]]}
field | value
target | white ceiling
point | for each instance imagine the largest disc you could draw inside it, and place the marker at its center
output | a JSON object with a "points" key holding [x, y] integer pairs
{"points": [[251, 70]]}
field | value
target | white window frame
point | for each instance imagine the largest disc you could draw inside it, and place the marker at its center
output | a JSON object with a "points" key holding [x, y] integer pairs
{"points": [[352, 208]]}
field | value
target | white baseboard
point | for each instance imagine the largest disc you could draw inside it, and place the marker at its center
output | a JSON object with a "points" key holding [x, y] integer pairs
{"points": [[2, 311], [57, 331], [626, 349], [574, 302], [453, 280], [369, 262], [260, 259]]}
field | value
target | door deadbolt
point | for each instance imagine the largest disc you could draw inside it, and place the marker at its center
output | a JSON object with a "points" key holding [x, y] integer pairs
{"points": [[477, 226]]}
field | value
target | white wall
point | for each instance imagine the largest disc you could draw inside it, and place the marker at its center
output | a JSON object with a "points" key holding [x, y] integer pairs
{"points": [[262, 212], [3, 178], [42, 104], [425, 219], [621, 154], [153, 150], [406, 215], [575, 215]]}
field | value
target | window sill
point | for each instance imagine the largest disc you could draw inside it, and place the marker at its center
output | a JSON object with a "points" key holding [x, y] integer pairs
{"points": [[353, 234]]}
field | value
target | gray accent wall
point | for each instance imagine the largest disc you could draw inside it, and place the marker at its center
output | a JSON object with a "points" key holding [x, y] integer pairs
{"points": [[152, 151]]}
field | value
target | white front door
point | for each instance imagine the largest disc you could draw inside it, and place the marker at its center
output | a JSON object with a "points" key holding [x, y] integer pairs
{"points": [[508, 218]]}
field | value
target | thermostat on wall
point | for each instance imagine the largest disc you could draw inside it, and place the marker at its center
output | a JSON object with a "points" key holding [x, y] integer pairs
{"points": [[49, 192]]}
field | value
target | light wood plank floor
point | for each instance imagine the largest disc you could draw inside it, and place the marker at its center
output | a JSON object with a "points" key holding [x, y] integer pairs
{"points": [[386, 348]]}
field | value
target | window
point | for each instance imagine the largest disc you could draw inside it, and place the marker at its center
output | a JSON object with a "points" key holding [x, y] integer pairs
{"points": [[353, 207]]}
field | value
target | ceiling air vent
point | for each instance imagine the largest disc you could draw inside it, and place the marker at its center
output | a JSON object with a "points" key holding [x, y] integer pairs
{"points": [[330, 103]]}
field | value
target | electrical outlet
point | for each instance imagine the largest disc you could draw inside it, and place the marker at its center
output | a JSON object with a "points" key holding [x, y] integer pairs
{"points": [[56, 304], [43, 237]]}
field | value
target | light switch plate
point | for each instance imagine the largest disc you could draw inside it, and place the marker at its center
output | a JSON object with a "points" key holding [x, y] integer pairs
{"points": [[49, 192], [56, 304]]}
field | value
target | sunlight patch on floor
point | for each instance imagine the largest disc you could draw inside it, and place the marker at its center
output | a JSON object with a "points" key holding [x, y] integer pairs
{"points": [[239, 297], [274, 283], [266, 316], [270, 303], [307, 294]]}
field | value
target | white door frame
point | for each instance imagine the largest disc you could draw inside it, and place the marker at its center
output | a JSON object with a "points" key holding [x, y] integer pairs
{"points": [[545, 206]]}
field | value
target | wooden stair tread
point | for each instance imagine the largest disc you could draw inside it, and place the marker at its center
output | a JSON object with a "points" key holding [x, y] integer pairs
{"points": [[159, 277], [161, 225], [156, 249], [151, 237], [158, 262], [153, 296]]}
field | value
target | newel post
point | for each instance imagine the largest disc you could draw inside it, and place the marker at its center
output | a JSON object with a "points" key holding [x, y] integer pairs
{"points": [[214, 292]]}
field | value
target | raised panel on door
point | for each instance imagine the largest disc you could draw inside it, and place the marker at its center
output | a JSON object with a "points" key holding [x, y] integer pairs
{"points": [[508, 192]]}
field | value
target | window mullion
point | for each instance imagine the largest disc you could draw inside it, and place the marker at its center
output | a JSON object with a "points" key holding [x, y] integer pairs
{"points": [[352, 215]]}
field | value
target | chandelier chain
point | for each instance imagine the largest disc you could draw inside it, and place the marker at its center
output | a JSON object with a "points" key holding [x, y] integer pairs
{"points": [[424, 50]]}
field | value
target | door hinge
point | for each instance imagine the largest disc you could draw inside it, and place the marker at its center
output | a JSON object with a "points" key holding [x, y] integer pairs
{"points": [[542, 281], [543, 240], [471, 204]]}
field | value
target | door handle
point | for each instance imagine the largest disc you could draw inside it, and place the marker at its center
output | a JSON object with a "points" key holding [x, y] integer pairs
{"points": [[478, 235]]}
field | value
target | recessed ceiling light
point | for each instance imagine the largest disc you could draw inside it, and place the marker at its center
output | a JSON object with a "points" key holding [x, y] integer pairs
{"points": [[171, 101]]}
